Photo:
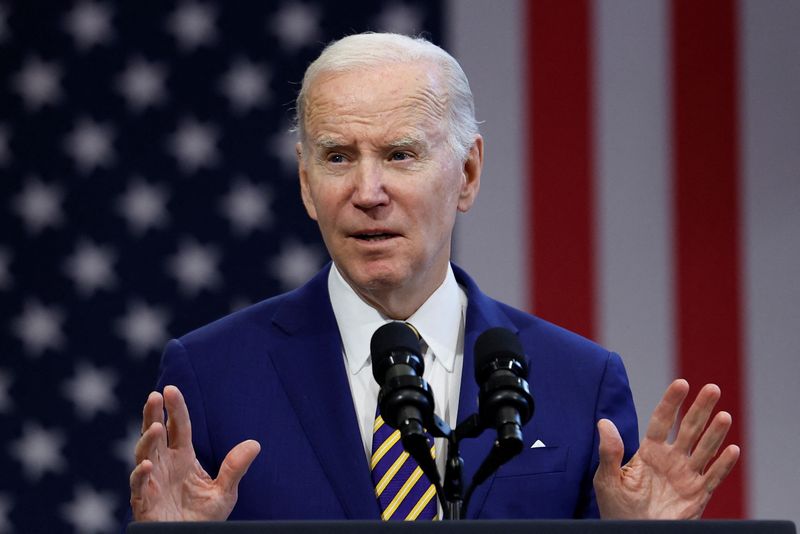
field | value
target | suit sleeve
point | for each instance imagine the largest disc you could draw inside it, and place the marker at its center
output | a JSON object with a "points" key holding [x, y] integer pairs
{"points": [[614, 402]]}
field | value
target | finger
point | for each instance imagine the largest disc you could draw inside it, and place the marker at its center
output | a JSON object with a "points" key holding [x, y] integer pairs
{"points": [[710, 442], [179, 426], [721, 467], [139, 479], [152, 445], [611, 451], [666, 412], [153, 411], [696, 418], [236, 464]]}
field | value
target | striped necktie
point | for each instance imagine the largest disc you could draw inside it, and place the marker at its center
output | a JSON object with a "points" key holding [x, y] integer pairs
{"points": [[402, 489]]}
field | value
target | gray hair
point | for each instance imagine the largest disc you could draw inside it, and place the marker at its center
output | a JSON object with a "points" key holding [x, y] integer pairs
{"points": [[365, 50]]}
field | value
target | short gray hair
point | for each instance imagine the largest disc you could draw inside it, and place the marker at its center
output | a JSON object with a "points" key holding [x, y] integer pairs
{"points": [[365, 50]]}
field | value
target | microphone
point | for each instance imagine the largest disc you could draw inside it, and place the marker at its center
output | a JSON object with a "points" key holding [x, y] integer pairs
{"points": [[405, 400], [504, 401]]}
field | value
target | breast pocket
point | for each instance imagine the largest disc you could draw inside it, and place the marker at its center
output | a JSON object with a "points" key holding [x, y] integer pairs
{"points": [[537, 461]]}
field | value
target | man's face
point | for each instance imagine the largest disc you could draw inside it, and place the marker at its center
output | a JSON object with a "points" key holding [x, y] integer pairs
{"points": [[379, 177]]}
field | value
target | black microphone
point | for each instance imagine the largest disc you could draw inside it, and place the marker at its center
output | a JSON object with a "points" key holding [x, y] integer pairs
{"points": [[504, 401], [405, 400]]}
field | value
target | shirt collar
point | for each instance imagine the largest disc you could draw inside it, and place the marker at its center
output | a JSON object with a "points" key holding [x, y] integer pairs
{"points": [[438, 320]]}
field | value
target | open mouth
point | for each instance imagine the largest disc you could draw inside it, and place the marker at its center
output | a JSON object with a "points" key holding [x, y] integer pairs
{"points": [[374, 236]]}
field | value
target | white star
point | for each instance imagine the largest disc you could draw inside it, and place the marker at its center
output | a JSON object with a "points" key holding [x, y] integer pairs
{"points": [[245, 85], [296, 25], [282, 146], [295, 264], [90, 268], [247, 206], [39, 451], [192, 24], [142, 84], [91, 390], [91, 511], [400, 18], [125, 446], [89, 144], [143, 327], [89, 24], [195, 267], [39, 328], [5, 274], [5, 397], [5, 153], [143, 206], [39, 205], [38, 83], [194, 145], [5, 510]]}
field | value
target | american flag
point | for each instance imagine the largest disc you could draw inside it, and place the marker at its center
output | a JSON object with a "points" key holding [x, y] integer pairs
{"points": [[148, 187]]}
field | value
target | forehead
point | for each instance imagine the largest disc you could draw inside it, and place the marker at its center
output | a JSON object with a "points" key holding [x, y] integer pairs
{"points": [[392, 96]]}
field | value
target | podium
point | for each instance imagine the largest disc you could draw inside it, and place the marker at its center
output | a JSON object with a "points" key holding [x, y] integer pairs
{"points": [[469, 527]]}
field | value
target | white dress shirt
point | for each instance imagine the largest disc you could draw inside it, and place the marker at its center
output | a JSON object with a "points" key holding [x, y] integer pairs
{"points": [[440, 322]]}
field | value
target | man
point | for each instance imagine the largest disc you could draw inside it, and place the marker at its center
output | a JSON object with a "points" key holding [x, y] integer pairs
{"points": [[389, 153]]}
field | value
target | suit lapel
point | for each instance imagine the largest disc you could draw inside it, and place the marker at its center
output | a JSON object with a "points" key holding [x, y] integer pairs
{"points": [[482, 314], [311, 368]]}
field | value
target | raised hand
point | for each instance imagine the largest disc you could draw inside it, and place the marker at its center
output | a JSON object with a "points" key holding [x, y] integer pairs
{"points": [[666, 480], [168, 483]]}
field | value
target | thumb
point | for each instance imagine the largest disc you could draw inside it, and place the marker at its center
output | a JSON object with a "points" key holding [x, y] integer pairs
{"points": [[236, 464], [611, 450]]}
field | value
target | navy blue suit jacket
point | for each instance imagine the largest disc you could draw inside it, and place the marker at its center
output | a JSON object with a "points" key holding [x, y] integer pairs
{"points": [[274, 372]]}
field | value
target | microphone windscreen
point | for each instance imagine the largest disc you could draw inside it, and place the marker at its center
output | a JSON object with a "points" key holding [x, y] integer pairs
{"points": [[497, 344], [391, 338]]}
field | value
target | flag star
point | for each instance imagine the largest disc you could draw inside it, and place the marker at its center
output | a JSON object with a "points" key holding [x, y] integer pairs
{"points": [[91, 390], [142, 84], [193, 24], [143, 328], [125, 446], [143, 206], [5, 397], [400, 18], [91, 511], [295, 264], [5, 153], [38, 83], [194, 145], [39, 451], [195, 267], [90, 268], [89, 23], [297, 25], [39, 205], [89, 144], [5, 510], [247, 206], [39, 328], [5, 272], [245, 84], [283, 145]]}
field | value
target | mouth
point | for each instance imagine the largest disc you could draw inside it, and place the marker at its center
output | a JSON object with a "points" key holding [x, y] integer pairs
{"points": [[373, 236]]}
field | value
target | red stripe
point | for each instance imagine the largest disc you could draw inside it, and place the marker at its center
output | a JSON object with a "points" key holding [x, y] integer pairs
{"points": [[561, 190], [706, 204]]}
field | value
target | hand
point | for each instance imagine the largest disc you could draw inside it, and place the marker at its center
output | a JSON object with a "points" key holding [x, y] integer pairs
{"points": [[666, 480], [168, 483]]}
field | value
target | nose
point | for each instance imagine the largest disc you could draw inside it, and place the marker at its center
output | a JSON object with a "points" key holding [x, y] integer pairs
{"points": [[369, 189]]}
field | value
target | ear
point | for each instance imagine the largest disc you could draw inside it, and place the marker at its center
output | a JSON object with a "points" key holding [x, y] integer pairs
{"points": [[305, 188], [471, 173]]}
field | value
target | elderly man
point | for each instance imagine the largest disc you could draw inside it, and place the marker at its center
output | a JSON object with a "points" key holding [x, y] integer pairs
{"points": [[389, 153]]}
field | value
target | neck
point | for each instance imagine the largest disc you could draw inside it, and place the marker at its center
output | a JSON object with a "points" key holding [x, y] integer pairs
{"points": [[399, 303]]}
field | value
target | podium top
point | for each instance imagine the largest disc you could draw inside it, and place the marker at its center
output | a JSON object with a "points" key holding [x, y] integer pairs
{"points": [[469, 527]]}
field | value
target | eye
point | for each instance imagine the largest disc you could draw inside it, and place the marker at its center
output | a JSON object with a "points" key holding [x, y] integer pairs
{"points": [[335, 158], [400, 156]]}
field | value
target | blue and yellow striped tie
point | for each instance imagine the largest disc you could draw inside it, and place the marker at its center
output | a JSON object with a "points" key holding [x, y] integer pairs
{"points": [[402, 489]]}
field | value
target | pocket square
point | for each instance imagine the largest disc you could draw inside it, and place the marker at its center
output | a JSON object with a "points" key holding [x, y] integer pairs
{"points": [[537, 444]]}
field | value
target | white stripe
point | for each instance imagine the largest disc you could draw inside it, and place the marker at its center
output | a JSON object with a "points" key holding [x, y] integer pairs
{"points": [[770, 45], [634, 304], [491, 240]]}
